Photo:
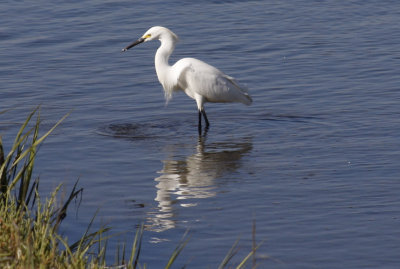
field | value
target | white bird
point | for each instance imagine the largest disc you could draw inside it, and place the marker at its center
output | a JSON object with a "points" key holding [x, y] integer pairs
{"points": [[199, 80]]}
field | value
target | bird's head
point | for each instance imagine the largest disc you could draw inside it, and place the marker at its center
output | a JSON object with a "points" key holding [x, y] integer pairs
{"points": [[156, 32]]}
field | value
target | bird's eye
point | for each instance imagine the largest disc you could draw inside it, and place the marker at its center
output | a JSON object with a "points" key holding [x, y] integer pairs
{"points": [[147, 36]]}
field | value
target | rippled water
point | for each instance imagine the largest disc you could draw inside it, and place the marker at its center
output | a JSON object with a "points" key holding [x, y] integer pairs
{"points": [[314, 160]]}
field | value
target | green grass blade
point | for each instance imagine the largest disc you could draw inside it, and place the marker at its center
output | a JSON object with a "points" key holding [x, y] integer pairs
{"points": [[30, 162], [136, 248], [232, 252], [88, 239], [27, 151], [139, 249], [15, 150], [40, 140], [177, 250], [3, 178], [21, 130], [252, 252], [62, 213]]}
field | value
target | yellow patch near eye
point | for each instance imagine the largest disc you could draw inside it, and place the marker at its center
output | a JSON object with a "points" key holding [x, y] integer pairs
{"points": [[147, 36]]}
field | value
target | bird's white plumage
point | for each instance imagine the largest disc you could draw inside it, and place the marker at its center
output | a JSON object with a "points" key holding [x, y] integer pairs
{"points": [[197, 79]]}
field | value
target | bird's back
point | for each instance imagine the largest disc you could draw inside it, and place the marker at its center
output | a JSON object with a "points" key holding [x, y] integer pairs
{"points": [[198, 77]]}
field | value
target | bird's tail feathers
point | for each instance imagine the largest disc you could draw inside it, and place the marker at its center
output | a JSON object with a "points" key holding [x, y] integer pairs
{"points": [[247, 100]]}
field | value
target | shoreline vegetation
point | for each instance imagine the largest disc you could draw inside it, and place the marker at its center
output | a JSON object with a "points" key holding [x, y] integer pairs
{"points": [[29, 225]]}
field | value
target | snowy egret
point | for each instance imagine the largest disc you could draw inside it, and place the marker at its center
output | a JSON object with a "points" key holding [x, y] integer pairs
{"points": [[200, 81]]}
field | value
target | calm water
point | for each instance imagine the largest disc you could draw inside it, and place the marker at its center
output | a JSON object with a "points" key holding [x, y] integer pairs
{"points": [[315, 160]]}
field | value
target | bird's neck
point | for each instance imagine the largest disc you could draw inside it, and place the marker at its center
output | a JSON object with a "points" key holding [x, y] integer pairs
{"points": [[163, 69], [162, 57]]}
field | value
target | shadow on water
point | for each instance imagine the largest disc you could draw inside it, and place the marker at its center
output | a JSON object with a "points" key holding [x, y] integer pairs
{"points": [[169, 128], [137, 131], [185, 179]]}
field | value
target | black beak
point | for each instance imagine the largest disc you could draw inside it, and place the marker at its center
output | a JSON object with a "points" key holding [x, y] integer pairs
{"points": [[140, 40]]}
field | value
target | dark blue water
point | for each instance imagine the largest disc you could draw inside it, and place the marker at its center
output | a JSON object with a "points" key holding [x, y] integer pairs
{"points": [[315, 159]]}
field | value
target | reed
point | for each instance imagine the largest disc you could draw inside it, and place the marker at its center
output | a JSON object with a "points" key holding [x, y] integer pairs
{"points": [[29, 226]]}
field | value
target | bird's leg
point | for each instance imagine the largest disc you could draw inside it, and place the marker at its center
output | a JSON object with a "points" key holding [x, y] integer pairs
{"points": [[205, 131], [205, 118], [203, 112], [199, 126]]}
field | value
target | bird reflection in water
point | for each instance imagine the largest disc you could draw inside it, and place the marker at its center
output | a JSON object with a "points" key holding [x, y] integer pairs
{"points": [[185, 180]]}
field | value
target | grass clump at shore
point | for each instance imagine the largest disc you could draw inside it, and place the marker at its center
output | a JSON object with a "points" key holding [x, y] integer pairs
{"points": [[29, 227], [29, 235]]}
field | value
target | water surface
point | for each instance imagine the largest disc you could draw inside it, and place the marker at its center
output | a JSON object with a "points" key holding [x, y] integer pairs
{"points": [[314, 160]]}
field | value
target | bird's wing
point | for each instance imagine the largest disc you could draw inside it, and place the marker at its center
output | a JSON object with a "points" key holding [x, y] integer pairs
{"points": [[209, 82]]}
